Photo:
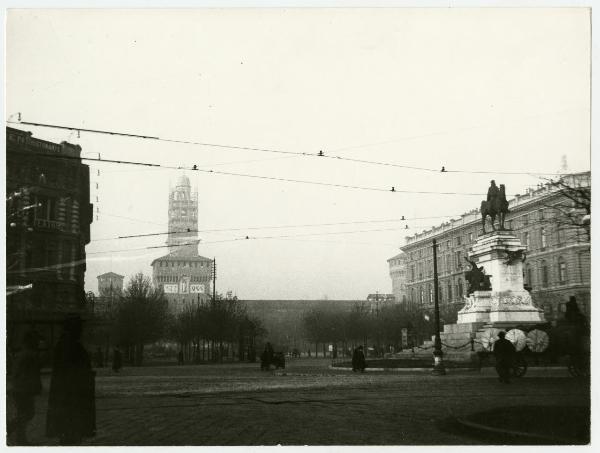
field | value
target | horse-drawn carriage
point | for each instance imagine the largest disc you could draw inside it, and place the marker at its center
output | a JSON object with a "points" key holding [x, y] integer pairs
{"points": [[567, 343], [277, 359]]}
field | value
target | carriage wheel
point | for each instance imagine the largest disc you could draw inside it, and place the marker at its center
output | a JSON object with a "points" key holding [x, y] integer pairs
{"points": [[488, 337], [520, 367], [518, 338], [537, 340]]}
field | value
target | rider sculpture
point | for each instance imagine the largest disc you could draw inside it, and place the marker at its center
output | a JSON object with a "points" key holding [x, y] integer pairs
{"points": [[495, 205]]}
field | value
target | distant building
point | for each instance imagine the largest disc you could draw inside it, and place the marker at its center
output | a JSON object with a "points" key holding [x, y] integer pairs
{"points": [[397, 265], [183, 274], [110, 289], [110, 284], [377, 301], [48, 226], [557, 261]]}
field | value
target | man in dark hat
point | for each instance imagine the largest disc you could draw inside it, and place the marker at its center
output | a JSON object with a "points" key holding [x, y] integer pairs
{"points": [[504, 351], [358, 360], [71, 400]]}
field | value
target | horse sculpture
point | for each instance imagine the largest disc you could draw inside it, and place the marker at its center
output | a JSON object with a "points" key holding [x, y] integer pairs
{"points": [[497, 206]]}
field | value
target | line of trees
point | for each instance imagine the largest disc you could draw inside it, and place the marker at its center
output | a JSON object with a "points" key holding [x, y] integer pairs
{"points": [[380, 329], [206, 331], [215, 329]]}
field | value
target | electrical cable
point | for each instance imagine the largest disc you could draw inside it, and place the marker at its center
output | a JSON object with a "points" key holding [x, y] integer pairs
{"points": [[320, 154], [306, 225], [270, 178]]}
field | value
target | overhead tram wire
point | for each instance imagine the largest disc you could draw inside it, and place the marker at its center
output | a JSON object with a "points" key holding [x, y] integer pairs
{"points": [[305, 225], [268, 178], [249, 238], [278, 151]]}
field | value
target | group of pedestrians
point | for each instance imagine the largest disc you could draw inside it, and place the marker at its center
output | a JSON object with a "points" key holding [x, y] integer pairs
{"points": [[71, 414]]}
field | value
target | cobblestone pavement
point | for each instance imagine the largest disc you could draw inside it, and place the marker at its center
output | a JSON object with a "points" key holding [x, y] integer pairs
{"points": [[307, 404]]}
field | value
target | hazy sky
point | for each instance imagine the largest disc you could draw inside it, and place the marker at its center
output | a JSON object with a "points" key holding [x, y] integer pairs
{"points": [[480, 89]]}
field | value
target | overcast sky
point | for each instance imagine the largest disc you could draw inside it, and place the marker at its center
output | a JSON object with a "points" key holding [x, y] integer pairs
{"points": [[497, 89]]}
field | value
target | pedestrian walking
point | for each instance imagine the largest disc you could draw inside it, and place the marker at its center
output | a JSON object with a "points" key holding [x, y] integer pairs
{"points": [[504, 351], [26, 384], [117, 362], [71, 401], [358, 360]]}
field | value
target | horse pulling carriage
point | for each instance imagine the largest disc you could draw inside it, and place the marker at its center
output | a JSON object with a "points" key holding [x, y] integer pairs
{"points": [[567, 343], [277, 359]]}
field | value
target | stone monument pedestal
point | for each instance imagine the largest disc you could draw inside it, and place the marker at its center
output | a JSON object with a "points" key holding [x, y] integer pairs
{"points": [[501, 255], [506, 305]]}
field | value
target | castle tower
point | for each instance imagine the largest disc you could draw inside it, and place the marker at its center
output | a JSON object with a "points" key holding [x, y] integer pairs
{"points": [[183, 219], [184, 275]]}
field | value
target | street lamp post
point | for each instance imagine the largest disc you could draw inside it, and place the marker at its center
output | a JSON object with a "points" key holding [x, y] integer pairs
{"points": [[438, 365]]}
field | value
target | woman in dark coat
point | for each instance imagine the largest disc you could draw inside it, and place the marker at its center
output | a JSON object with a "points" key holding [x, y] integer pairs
{"points": [[26, 384], [71, 401], [358, 360]]}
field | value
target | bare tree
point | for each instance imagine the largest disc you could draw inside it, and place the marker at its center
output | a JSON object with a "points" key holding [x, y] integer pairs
{"points": [[570, 207], [142, 316]]}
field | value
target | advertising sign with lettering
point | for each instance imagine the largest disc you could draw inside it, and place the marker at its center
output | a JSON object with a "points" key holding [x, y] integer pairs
{"points": [[170, 289], [196, 288]]}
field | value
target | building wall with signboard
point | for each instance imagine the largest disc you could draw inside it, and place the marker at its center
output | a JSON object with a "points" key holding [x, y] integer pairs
{"points": [[47, 228], [184, 279]]}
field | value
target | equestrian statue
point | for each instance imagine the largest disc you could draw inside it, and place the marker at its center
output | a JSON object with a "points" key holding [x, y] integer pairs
{"points": [[495, 205]]}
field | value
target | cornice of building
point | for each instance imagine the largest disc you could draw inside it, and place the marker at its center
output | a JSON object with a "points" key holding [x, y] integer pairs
{"points": [[518, 202]]}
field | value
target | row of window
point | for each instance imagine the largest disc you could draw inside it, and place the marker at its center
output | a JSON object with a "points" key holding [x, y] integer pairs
{"points": [[177, 278], [536, 273], [453, 262], [184, 263], [55, 256], [542, 276], [424, 294], [450, 262], [443, 246]]}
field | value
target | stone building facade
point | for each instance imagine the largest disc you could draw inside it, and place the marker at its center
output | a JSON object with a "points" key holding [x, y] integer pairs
{"points": [[557, 259], [184, 275], [397, 265], [48, 215]]}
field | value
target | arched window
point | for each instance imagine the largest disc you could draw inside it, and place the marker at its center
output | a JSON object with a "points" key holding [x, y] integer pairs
{"points": [[562, 270], [412, 295], [459, 289], [430, 290], [421, 295], [449, 291], [440, 292], [529, 275]]}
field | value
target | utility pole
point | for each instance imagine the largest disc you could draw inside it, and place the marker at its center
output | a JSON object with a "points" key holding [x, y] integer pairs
{"points": [[438, 365]]}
